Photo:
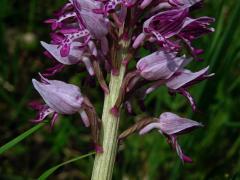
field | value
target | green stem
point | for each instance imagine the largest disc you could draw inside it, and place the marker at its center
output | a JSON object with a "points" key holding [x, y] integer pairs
{"points": [[104, 163]]}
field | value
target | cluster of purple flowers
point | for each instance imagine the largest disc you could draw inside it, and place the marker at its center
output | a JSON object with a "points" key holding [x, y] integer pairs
{"points": [[87, 32]]}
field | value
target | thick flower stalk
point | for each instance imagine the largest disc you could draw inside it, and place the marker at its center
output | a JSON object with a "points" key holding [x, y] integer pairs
{"points": [[103, 36]]}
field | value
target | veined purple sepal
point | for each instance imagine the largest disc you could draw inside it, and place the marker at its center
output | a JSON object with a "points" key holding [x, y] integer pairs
{"points": [[160, 65], [60, 98]]}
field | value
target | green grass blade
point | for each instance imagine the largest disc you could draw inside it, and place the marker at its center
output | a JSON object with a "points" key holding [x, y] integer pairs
{"points": [[220, 49], [217, 35], [20, 138], [50, 171]]}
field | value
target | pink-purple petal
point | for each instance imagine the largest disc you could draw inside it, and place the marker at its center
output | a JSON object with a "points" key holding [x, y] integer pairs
{"points": [[159, 65], [74, 56], [184, 77], [172, 124], [61, 97]]}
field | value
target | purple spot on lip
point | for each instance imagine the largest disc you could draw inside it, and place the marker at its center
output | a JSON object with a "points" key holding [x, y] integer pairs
{"points": [[65, 50]]}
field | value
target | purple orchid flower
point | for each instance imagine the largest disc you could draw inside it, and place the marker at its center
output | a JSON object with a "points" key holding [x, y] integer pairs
{"points": [[159, 65], [60, 98], [168, 69], [171, 126], [163, 26], [73, 51], [174, 23]]}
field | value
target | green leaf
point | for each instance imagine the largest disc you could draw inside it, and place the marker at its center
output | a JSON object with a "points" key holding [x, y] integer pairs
{"points": [[53, 169], [21, 137]]}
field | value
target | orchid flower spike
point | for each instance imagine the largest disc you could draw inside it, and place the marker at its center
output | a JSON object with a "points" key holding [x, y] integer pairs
{"points": [[105, 35], [60, 98], [171, 126]]}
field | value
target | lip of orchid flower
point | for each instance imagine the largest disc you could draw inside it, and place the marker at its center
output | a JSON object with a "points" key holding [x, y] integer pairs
{"points": [[60, 97], [184, 79], [172, 125], [160, 65], [43, 111], [75, 56], [69, 36]]}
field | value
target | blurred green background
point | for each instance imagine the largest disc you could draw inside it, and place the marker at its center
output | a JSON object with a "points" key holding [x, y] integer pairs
{"points": [[215, 148]]}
